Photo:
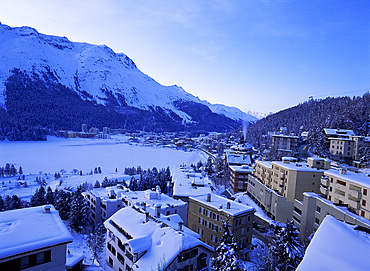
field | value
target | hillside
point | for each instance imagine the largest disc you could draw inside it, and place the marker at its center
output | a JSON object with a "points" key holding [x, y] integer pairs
{"points": [[313, 116], [51, 82]]}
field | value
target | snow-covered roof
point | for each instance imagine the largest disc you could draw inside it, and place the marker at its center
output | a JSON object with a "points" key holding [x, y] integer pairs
{"points": [[238, 159], [73, 258], [285, 136], [337, 246], [183, 177], [30, 229], [357, 178], [340, 138], [338, 132], [151, 198], [319, 159], [220, 203], [267, 164], [161, 244], [296, 166], [243, 169]]}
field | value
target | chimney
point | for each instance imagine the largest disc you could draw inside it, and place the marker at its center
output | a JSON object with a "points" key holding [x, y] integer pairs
{"points": [[146, 217], [209, 197], [157, 209], [228, 205], [47, 209], [180, 226], [143, 205], [220, 206], [158, 190]]}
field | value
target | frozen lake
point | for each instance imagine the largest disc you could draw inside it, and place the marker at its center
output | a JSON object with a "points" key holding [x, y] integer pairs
{"points": [[85, 154]]}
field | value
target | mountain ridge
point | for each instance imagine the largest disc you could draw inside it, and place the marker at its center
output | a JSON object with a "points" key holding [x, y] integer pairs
{"points": [[102, 77]]}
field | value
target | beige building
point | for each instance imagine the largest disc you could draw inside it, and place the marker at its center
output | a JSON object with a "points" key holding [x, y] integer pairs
{"points": [[347, 188], [138, 241], [33, 238], [275, 185], [239, 178], [206, 215], [309, 213]]}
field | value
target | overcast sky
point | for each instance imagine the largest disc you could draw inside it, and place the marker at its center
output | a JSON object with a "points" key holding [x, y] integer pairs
{"points": [[256, 55]]}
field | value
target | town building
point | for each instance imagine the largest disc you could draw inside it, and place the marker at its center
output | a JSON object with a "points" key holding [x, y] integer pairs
{"points": [[155, 200], [284, 143], [239, 178], [348, 148], [207, 213], [336, 133], [347, 188], [33, 238], [309, 213], [275, 185], [186, 183], [103, 203], [138, 241]]}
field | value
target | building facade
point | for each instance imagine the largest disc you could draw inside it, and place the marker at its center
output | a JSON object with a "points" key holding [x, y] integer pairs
{"points": [[347, 188], [239, 178], [206, 215]]}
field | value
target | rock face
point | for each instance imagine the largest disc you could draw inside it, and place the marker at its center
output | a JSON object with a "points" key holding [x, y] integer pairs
{"points": [[52, 82]]}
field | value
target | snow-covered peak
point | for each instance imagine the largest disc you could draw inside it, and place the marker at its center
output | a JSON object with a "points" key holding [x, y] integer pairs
{"points": [[107, 77]]}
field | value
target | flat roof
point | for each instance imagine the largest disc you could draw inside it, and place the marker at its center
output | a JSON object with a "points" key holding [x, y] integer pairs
{"points": [[182, 179], [30, 229], [296, 166], [141, 196], [220, 203], [357, 178], [244, 169]]}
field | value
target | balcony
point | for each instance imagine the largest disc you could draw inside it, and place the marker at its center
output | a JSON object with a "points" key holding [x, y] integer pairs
{"points": [[355, 194], [355, 204], [324, 191], [325, 182]]}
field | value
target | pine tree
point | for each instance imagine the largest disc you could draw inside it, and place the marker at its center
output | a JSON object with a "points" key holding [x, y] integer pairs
{"points": [[209, 168], [133, 184], [15, 203], [20, 171], [79, 213], [39, 197], [7, 203], [287, 251], [96, 241], [226, 258], [1, 204], [62, 203], [97, 184], [49, 196]]}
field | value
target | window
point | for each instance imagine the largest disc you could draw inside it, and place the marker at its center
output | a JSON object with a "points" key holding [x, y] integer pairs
{"points": [[40, 258], [201, 220], [215, 216], [25, 262], [213, 238], [120, 258], [243, 220], [242, 231], [341, 182], [111, 261], [208, 213], [247, 229], [362, 213], [201, 210], [249, 218], [200, 231], [365, 192], [317, 221], [318, 209], [363, 202]]}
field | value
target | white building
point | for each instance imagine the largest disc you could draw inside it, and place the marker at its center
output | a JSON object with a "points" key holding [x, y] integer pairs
{"points": [[138, 241], [34, 239]]}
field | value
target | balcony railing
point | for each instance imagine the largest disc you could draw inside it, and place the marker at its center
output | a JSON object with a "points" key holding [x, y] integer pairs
{"points": [[325, 182], [355, 194], [324, 190]]}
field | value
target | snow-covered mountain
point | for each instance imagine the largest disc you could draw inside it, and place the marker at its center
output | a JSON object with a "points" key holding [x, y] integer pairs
{"points": [[101, 76]]}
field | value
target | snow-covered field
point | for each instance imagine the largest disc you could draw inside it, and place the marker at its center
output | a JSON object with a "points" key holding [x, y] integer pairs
{"points": [[86, 154]]}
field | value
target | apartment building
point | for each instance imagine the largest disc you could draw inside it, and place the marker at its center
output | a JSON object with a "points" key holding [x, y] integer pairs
{"points": [[138, 241], [103, 203], [187, 183], [206, 214], [155, 200], [347, 188], [309, 213], [239, 178], [33, 238], [348, 148], [336, 133], [275, 185], [281, 142]]}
